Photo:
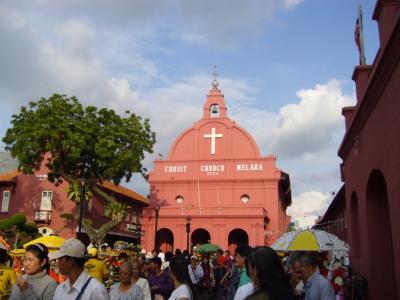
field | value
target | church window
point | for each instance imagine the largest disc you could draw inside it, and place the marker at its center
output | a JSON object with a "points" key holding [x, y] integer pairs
{"points": [[245, 198], [179, 199], [214, 110], [6, 201]]}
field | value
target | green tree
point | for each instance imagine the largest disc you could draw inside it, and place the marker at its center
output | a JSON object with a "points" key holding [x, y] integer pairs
{"points": [[67, 218], [84, 143], [116, 211], [17, 227]]}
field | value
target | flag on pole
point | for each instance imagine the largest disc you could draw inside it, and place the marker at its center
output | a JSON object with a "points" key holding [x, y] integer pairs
{"points": [[359, 38]]}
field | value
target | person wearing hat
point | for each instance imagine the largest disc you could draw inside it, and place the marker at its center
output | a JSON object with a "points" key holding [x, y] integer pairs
{"points": [[146, 268], [196, 273], [79, 285], [96, 267]]}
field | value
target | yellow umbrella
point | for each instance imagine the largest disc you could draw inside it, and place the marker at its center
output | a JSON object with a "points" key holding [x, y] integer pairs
{"points": [[52, 242], [309, 240], [17, 252]]}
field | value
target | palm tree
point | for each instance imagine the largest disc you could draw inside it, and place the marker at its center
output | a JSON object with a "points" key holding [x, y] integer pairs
{"points": [[73, 193], [68, 218], [114, 209]]}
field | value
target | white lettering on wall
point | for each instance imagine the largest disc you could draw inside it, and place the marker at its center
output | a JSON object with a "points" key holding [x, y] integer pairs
{"points": [[249, 167], [175, 169], [212, 169]]}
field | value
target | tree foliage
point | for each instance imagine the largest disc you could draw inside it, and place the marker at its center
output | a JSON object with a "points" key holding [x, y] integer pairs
{"points": [[83, 142], [73, 192], [115, 210], [16, 226]]}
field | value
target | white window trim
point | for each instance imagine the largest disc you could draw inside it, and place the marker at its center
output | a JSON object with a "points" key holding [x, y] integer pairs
{"points": [[134, 215], [51, 200], [5, 203]]}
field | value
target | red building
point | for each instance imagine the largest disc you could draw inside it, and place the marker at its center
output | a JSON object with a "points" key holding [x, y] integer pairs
{"points": [[43, 203], [371, 162], [334, 219], [215, 175]]}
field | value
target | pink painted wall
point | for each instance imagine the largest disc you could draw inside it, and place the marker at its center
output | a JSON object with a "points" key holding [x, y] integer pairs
{"points": [[212, 181], [26, 197], [370, 152]]}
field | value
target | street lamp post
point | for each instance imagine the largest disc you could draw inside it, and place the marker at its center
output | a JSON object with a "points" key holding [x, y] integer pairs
{"points": [[81, 206], [188, 219], [156, 211]]}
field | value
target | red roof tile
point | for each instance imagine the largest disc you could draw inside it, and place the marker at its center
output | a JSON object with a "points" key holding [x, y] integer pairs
{"points": [[125, 191], [9, 176]]}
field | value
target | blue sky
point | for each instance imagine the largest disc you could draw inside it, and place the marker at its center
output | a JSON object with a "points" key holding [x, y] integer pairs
{"points": [[284, 66]]}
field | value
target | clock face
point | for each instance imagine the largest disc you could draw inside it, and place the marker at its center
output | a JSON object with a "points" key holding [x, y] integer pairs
{"points": [[245, 198], [179, 199]]}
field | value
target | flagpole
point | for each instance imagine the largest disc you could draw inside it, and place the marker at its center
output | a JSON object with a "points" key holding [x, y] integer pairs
{"points": [[360, 18]]}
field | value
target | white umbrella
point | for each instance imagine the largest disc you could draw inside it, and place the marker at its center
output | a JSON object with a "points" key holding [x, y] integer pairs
{"points": [[310, 240]]}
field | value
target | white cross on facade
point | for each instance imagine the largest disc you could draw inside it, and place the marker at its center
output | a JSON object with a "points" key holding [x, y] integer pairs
{"points": [[213, 135]]}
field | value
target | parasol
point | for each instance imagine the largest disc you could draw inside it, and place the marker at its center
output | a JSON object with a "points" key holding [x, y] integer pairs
{"points": [[52, 242], [310, 240], [205, 248]]}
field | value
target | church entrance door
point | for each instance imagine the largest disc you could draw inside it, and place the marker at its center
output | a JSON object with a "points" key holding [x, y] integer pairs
{"points": [[199, 237], [237, 237], [165, 240]]}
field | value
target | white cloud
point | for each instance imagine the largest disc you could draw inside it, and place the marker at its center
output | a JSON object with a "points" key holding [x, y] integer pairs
{"points": [[76, 37], [291, 3], [218, 23], [10, 21], [301, 128], [73, 60], [310, 203]]}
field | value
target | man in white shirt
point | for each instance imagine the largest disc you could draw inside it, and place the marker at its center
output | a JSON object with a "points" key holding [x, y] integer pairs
{"points": [[79, 285]]}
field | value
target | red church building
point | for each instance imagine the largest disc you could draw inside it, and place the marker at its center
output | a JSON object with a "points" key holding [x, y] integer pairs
{"points": [[215, 187], [371, 163]]}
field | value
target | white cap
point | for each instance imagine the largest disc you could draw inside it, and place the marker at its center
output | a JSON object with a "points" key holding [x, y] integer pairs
{"points": [[193, 257], [72, 248]]}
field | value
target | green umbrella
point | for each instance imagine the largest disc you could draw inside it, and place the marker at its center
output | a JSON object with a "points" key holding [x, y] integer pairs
{"points": [[208, 248]]}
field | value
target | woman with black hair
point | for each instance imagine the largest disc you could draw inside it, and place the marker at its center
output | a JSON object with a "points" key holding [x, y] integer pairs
{"points": [[268, 276], [35, 284], [178, 270]]}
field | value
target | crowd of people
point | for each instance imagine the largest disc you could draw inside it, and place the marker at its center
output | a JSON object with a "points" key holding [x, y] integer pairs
{"points": [[251, 273]]}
